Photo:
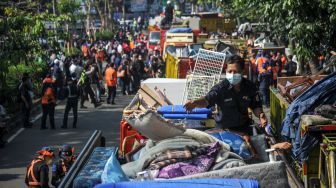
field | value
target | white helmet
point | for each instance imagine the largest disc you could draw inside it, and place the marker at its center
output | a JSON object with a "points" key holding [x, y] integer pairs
{"points": [[168, 2]]}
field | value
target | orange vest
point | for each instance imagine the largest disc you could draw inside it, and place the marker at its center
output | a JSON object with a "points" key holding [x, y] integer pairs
{"points": [[111, 77], [260, 62], [48, 95], [132, 45], [321, 58], [283, 61], [86, 51], [253, 64], [31, 174], [100, 55]]}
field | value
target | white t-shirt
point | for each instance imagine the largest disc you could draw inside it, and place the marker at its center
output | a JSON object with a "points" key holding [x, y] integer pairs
{"points": [[72, 68], [120, 49]]}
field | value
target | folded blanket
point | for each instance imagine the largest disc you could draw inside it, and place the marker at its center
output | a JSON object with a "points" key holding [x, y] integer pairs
{"points": [[195, 165], [173, 156], [190, 137]]}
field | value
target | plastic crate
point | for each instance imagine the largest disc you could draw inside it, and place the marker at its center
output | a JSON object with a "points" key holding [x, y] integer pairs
{"points": [[311, 168], [327, 158]]}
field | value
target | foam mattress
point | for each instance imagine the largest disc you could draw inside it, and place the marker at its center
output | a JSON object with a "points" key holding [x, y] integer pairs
{"points": [[91, 173]]}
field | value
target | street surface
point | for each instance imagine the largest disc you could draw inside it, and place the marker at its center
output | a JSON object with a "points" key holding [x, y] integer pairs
{"points": [[19, 152]]}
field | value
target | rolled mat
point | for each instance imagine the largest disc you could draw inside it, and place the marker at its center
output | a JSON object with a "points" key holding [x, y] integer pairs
{"points": [[179, 109], [186, 116]]}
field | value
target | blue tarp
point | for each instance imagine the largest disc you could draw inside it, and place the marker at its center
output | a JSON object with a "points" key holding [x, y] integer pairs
{"points": [[236, 142], [179, 109], [323, 92], [193, 183], [113, 172], [180, 30]]}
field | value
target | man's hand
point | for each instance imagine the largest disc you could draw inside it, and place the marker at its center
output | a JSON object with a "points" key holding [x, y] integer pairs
{"points": [[263, 120], [189, 106], [282, 145]]}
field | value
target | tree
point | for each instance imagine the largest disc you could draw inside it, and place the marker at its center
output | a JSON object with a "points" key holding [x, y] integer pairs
{"points": [[104, 8], [310, 24], [21, 30], [69, 13]]}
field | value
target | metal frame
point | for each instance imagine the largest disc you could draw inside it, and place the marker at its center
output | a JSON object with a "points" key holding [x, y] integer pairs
{"points": [[208, 69]]}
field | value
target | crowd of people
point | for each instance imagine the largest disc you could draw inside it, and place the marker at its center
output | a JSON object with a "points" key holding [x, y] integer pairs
{"points": [[267, 67], [102, 68]]}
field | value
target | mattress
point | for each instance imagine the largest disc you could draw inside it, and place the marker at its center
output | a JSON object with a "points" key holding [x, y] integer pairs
{"points": [[195, 183], [90, 174]]}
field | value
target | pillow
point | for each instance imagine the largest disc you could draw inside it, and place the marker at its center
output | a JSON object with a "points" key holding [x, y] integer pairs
{"points": [[153, 126], [112, 172]]}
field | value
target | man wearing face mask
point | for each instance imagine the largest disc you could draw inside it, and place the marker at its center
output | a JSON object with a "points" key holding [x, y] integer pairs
{"points": [[234, 95]]}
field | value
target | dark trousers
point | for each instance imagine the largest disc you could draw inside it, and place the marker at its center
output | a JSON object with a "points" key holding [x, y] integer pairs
{"points": [[125, 85], [25, 114], [265, 96], [136, 83], [72, 103], [87, 90], [264, 84], [112, 91], [48, 109]]}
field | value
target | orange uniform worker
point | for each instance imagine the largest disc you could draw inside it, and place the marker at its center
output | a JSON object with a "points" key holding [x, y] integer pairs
{"points": [[264, 77], [38, 171], [111, 82], [48, 101], [100, 55]]}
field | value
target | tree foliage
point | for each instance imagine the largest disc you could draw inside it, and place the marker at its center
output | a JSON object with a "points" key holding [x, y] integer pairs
{"points": [[22, 30], [309, 23]]}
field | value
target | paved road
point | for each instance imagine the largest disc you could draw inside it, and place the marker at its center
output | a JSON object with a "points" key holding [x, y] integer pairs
{"points": [[17, 154]]}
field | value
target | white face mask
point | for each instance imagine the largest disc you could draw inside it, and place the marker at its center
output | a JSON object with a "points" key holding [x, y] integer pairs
{"points": [[234, 79]]}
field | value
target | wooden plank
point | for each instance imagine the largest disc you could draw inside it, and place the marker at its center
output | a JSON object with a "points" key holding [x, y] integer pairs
{"points": [[147, 99], [152, 94]]}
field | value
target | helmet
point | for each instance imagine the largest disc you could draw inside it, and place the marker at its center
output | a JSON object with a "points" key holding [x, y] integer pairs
{"points": [[46, 151], [66, 151]]}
